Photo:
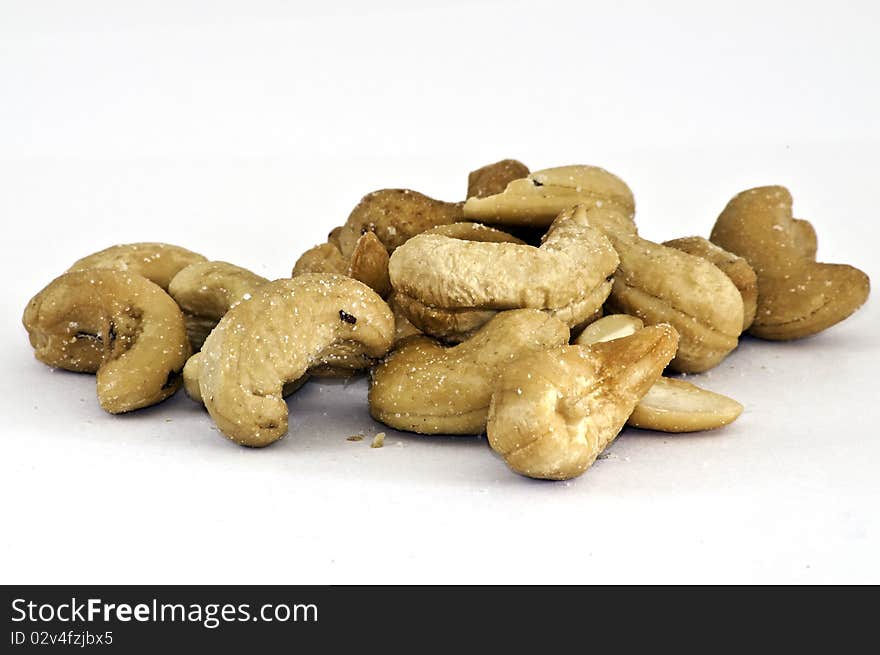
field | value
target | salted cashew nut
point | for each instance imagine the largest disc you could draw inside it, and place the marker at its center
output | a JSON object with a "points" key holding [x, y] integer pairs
{"points": [[665, 285], [797, 297], [553, 412], [193, 367], [207, 290], [118, 325], [323, 258], [158, 262], [285, 329], [733, 266], [428, 388], [539, 198], [670, 405], [492, 179], [440, 271]]}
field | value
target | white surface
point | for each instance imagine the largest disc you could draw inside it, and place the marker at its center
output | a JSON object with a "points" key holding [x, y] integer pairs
{"points": [[247, 130]]}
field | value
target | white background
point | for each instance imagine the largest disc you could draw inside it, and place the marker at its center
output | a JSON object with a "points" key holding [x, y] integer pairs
{"points": [[247, 130]]}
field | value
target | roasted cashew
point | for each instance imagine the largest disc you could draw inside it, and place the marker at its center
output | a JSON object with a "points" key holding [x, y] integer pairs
{"points": [[427, 388], [554, 411], [395, 215], [494, 178], [192, 370], [158, 262], [457, 325], [797, 297], [207, 290], [538, 199], [440, 271], [664, 285], [119, 325], [369, 264], [670, 405], [286, 328], [323, 258], [736, 268]]}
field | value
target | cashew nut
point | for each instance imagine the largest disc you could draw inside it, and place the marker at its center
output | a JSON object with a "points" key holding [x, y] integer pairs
{"points": [[205, 292], [494, 178], [369, 264], [554, 411], [664, 285], [440, 271], [670, 405], [538, 199], [158, 262], [119, 325], [736, 268], [287, 327], [797, 297], [427, 388], [395, 215], [323, 258]]}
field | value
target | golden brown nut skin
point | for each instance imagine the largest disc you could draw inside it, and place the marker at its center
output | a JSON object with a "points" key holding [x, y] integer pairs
{"points": [[276, 337], [554, 411], [494, 178], [427, 388], [369, 264], [797, 297], [395, 215], [119, 325], [733, 266], [158, 262]]}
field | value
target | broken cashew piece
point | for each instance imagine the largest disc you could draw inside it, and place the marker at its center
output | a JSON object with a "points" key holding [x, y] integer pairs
{"points": [[158, 262], [733, 266], [118, 325], [492, 179], [285, 329], [427, 388], [797, 297], [369, 264], [554, 411], [670, 405], [207, 290], [539, 198]]}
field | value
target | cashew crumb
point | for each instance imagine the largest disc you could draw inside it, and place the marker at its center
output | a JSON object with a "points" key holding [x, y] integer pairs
{"points": [[378, 440], [355, 437]]}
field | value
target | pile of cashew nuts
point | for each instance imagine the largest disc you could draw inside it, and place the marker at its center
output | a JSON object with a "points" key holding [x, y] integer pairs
{"points": [[532, 312]]}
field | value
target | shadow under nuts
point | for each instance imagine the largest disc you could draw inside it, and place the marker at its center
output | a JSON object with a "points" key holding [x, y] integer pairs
{"points": [[427, 388], [797, 297], [276, 337], [554, 411], [119, 325]]}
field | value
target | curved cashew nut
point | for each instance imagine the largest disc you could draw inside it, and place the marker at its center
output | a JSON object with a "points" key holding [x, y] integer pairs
{"points": [[205, 292], [670, 405], [664, 285], [736, 268], [440, 271], [538, 199], [554, 411], [119, 325], [427, 388], [494, 178], [457, 325], [275, 337], [158, 262], [797, 297]]}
